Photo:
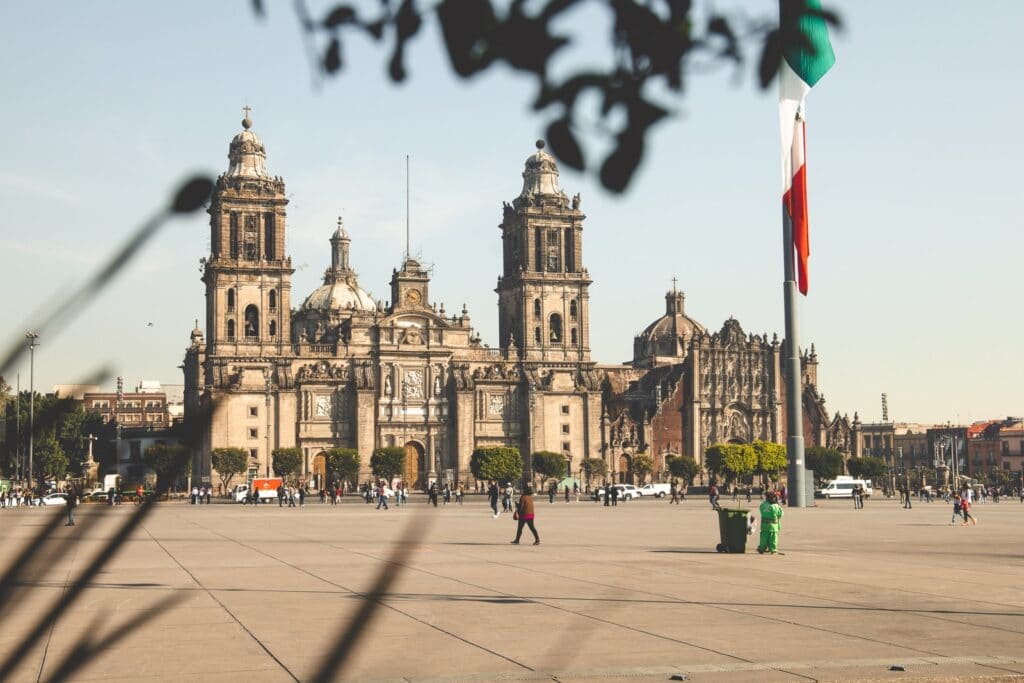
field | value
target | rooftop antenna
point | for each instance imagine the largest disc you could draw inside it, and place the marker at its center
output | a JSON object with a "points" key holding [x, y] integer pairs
{"points": [[885, 407], [406, 207]]}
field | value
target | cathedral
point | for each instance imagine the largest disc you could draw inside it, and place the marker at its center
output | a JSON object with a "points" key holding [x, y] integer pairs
{"points": [[343, 370]]}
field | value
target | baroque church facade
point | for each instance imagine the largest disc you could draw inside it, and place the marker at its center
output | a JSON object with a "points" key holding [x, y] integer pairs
{"points": [[344, 370]]}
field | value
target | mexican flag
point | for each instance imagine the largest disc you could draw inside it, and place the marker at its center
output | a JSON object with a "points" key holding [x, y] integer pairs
{"points": [[806, 57]]}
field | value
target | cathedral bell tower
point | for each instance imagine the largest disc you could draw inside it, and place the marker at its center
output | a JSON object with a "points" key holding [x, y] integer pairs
{"points": [[247, 275], [543, 300]]}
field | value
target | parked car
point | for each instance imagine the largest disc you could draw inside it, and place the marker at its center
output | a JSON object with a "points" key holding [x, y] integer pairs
{"points": [[656, 490], [54, 499], [97, 497]]}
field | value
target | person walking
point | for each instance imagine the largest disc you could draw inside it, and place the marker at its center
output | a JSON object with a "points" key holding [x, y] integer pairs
{"points": [[551, 493], [965, 509], [615, 496], [674, 491], [576, 490], [525, 514], [71, 505], [506, 499], [771, 524], [906, 498], [713, 496], [492, 497], [566, 493], [382, 499]]}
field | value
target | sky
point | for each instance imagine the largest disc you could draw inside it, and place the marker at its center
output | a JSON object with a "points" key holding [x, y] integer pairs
{"points": [[914, 147]]}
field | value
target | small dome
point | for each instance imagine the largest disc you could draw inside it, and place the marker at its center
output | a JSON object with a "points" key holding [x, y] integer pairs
{"points": [[541, 174], [247, 155], [667, 336], [339, 295]]}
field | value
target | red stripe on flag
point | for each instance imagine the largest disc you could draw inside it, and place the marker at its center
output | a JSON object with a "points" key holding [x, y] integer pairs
{"points": [[796, 203]]}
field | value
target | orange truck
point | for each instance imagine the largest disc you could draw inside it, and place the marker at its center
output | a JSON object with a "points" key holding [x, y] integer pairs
{"points": [[266, 486]]}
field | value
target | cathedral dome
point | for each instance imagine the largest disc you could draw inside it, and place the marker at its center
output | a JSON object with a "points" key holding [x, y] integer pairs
{"points": [[668, 335], [340, 290], [339, 295]]}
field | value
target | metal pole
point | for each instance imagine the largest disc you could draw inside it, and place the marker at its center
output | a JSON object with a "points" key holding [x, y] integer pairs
{"points": [[17, 434], [31, 336], [267, 391], [796, 472]]}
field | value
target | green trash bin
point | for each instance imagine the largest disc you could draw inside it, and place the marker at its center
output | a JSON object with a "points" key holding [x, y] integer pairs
{"points": [[732, 525]]}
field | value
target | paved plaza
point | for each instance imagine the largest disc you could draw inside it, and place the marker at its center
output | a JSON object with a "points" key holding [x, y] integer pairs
{"points": [[637, 591]]}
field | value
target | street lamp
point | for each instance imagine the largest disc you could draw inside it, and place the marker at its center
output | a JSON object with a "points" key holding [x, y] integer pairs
{"points": [[31, 336], [266, 390]]}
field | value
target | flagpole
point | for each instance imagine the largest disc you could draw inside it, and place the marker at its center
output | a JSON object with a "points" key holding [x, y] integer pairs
{"points": [[796, 472]]}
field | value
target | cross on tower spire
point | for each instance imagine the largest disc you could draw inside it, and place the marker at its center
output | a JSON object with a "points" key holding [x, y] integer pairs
{"points": [[247, 109], [674, 281]]}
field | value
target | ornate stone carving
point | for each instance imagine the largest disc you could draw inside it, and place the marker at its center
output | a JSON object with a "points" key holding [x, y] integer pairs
{"points": [[323, 406], [412, 384], [496, 405], [412, 336]]}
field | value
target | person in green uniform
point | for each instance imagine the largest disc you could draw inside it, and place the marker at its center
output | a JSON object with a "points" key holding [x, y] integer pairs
{"points": [[771, 523]]}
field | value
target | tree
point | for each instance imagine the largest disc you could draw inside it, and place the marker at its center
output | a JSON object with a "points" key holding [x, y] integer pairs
{"points": [[388, 462], [650, 45], [228, 462], [286, 462], [730, 460], [496, 463], [827, 463], [50, 460], [548, 464], [169, 461], [867, 467], [771, 458], [643, 465], [594, 467], [683, 467], [343, 463]]}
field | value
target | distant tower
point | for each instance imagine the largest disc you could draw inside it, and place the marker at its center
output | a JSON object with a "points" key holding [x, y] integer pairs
{"points": [[247, 275], [885, 407], [543, 300]]}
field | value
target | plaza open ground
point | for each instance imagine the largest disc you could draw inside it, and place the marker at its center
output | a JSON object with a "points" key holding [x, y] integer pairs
{"points": [[635, 592]]}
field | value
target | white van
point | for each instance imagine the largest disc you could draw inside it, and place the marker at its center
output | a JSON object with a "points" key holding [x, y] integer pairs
{"points": [[656, 490], [842, 487]]}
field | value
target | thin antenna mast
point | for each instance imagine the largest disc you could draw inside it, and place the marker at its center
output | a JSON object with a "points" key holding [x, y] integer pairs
{"points": [[407, 206]]}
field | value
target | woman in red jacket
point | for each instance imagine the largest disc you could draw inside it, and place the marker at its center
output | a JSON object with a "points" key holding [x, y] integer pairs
{"points": [[525, 515]]}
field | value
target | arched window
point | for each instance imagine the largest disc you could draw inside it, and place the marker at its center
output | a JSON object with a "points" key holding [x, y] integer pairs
{"points": [[252, 322], [273, 329], [231, 299], [536, 308], [231, 330], [536, 335], [572, 337], [272, 299], [573, 310], [555, 328]]}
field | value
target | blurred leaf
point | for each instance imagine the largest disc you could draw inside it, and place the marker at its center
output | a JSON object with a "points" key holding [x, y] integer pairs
{"points": [[563, 144], [466, 25], [342, 14], [258, 9], [407, 24], [771, 58], [332, 59], [193, 195]]}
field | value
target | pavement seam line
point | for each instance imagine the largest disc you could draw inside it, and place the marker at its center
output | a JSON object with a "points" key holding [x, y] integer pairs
{"points": [[222, 605]]}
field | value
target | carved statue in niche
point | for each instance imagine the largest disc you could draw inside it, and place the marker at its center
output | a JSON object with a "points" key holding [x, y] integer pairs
{"points": [[496, 405], [576, 201], [387, 385], [437, 383], [412, 336], [737, 426]]}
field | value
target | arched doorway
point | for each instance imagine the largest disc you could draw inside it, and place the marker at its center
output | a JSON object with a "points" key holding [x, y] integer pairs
{"points": [[414, 465], [320, 471], [625, 469]]}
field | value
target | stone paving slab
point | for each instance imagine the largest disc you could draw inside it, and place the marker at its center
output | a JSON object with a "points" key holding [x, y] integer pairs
{"points": [[634, 592]]}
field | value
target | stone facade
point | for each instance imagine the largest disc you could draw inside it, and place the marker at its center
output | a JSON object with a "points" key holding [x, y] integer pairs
{"points": [[343, 370]]}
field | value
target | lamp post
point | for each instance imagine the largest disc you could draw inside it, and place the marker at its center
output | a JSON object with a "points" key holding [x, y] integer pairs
{"points": [[266, 390], [31, 336]]}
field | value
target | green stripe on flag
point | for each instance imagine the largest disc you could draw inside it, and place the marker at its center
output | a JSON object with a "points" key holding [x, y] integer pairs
{"points": [[811, 57]]}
